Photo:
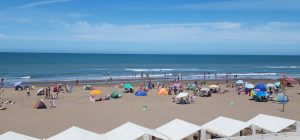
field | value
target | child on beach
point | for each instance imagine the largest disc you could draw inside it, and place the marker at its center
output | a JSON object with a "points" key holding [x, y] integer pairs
{"points": [[28, 91]]}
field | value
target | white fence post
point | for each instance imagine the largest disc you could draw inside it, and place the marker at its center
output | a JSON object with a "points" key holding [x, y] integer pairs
{"points": [[203, 134], [253, 128]]}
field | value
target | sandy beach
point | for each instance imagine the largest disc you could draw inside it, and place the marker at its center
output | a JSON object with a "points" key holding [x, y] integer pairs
{"points": [[75, 109]]}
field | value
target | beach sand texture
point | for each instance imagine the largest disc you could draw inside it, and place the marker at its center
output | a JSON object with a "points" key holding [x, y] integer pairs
{"points": [[75, 109]]}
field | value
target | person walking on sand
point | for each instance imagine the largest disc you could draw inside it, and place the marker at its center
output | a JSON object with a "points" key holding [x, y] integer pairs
{"points": [[28, 91]]}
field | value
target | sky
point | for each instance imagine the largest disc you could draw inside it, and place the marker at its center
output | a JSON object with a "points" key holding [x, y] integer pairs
{"points": [[151, 26]]}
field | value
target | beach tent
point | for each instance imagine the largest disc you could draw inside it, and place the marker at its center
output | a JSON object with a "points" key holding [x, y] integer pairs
{"points": [[40, 92], [213, 86], [18, 83], [190, 86], [131, 131], [261, 87], [178, 129], [205, 89], [270, 123], [162, 91], [117, 94], [75, 133], [224, 127], [15, 136], [40, 104], [281, 98], [239, 82], [127, 86], [249, 86], [181, 95], [88, 87], [176, 85], [270, 85], [277, 84], [95, 92], [140, 93]]}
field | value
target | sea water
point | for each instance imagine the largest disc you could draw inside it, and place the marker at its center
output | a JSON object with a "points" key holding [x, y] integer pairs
{"points": [[69, 67]]}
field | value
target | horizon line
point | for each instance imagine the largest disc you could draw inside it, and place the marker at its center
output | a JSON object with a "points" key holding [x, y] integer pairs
{"points": [[146, 53]]}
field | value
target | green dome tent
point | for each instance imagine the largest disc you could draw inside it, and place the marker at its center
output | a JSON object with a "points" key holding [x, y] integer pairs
{"points": [[116, 94]]}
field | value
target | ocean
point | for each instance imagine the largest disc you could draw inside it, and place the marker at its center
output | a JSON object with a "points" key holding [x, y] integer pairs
{"points": [[38, 67]]}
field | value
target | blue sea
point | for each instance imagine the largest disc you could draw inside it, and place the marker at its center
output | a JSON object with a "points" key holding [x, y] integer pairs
{"points": [[69, 67]]}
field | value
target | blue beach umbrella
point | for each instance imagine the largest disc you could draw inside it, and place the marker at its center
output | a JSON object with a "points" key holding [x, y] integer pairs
{"points": [[261, 87], [261, 94], [141, 93], [281, 98]]}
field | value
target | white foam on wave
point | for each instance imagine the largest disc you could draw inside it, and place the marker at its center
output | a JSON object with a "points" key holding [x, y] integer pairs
{"points": [[281, 67], [146, 70], [25, 77]]}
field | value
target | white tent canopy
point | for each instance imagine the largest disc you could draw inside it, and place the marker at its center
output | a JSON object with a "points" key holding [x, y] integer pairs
{"points": [[75, 133], [225, 127], [15, 136], [271, 123], [131, 131], [178, 129]]}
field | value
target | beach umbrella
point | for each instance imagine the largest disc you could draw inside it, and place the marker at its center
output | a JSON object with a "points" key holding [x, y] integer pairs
{"points": [[204, 89], [95, 92], [270, 85], [249, 86], [128, 86], [140, 93], [261, 94], [213, 86], [162, 91], [239, 82], [176, 85], [17, 83], [261, 87], [117, 94], [181, 95], [281, 98], [277, 84]]}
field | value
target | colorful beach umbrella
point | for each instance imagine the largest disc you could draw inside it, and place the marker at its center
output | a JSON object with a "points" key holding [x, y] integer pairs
{"points": [[176, 85], [261, 87], [140, 93], [128, 86], [95, 92], [249, 86]]}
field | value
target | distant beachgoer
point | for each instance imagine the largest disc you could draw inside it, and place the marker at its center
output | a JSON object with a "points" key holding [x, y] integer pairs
{"points": [[77, 81], [3, 107], [2, 80], [28, 91], [142, 74], [52, 102]]}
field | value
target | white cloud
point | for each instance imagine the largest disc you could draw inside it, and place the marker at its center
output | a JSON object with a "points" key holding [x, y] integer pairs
{"points": [[41, 3], [2, 36], [197, 33], [216, 32], [243, 5]]}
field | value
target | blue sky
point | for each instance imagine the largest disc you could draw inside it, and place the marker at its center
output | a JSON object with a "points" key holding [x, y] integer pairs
{"points": [[151, 26]]}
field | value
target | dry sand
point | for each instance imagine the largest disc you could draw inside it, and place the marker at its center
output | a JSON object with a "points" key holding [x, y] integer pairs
{"points": [[75, 109]]}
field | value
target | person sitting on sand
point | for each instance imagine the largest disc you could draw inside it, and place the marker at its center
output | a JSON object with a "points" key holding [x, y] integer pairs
{"points": [[3, 107]]}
